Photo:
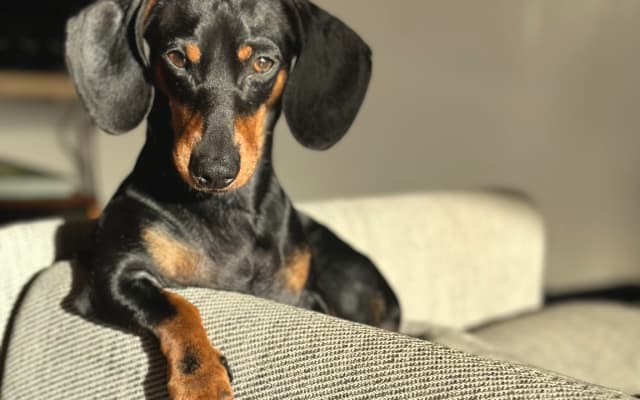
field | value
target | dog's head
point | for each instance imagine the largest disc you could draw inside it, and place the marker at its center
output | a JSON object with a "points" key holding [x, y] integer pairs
{"points": [[225, 68]]}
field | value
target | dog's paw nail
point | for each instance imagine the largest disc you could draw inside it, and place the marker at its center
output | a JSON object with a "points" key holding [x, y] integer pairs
{"points": [[225, 364]]}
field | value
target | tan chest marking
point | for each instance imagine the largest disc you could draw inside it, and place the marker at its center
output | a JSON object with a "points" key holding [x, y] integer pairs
{"points": [[175, 259]]}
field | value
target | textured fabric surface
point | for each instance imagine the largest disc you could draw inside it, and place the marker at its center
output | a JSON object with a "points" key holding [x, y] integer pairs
{"points": [[455, 259], [21, 256], [457, 245], [597, 342], [275, 351], [27, 248]]}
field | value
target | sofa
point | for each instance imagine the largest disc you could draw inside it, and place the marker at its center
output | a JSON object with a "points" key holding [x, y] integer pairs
{"points": [[468, 268]]}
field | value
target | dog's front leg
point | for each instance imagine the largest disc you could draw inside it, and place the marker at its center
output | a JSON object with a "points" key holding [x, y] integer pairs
{"points": [[196, 369]]}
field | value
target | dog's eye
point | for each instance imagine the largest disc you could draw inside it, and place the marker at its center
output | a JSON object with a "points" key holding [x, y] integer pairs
{"points": [[263, 65], [177, 58]]}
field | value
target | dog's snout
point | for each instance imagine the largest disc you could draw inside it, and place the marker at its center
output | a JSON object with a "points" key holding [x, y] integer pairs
{"points": [[213, 174]]}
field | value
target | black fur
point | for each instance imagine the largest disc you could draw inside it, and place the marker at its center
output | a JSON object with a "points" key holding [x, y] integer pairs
{"points": [[104, 59], [323, 97], [246, 236], [190, 362]]}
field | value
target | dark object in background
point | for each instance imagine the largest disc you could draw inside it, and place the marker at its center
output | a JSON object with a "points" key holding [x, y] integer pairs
{"points": [[622, 293], [77, 207], [32, 37], [32, 34], [28, 193]]}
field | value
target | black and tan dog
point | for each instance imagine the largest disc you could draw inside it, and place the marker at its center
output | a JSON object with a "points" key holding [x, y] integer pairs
{"points": [[202, 206]]}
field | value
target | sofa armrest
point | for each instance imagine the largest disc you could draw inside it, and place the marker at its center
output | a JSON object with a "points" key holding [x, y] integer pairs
{"points": [[455, 259], [27, 248], [275, 352], [24, 250]]}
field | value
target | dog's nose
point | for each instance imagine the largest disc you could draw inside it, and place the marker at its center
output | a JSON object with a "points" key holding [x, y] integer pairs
{"points": [[213, 174]]}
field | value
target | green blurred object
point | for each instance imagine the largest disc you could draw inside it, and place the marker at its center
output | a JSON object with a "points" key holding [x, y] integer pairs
{"points": [[28, 193], [22, 182]]}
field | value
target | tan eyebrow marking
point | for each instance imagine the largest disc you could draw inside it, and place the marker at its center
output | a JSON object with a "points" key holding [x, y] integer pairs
{"points": [[193, 53], [244, 53]]}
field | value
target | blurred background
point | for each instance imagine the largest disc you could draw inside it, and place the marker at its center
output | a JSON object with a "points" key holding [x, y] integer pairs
{"points": [[538, 96]]}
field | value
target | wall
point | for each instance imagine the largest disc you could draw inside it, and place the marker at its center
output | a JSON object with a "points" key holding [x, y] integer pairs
{"points": [[541, 96]]}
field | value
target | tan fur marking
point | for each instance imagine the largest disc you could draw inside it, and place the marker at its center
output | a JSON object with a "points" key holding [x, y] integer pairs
{"points": [[249, 137], [278, 88], [184, 333], [188, 127], [244, 53], [296, 272], [377, 308], [175, 259], [193, 53], [249, 134], [147, 11]]}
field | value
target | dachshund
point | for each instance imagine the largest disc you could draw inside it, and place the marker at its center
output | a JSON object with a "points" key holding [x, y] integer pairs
{"points": [[202, 206]]}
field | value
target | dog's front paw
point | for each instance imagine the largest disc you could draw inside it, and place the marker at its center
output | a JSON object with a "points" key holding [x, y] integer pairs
{"points": [[201, 375]]}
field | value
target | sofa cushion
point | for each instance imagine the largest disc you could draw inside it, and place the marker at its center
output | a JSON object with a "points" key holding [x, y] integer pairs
{"points": [[455, 259], [442, 252], [275, 351], [594, 341]]}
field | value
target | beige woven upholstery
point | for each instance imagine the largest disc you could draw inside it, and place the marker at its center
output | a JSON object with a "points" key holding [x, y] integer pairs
{"points": [[27, 248], [22, 258], [444, 254], [595, 341], [276, 352], [455, 259]]}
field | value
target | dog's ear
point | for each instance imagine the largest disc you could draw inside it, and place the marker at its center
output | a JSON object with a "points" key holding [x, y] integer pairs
{"points": [[104, 55], [329, 80]]}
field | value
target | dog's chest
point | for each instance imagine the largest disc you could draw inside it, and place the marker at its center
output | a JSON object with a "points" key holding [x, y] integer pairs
{"points": [[236, 260]]}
